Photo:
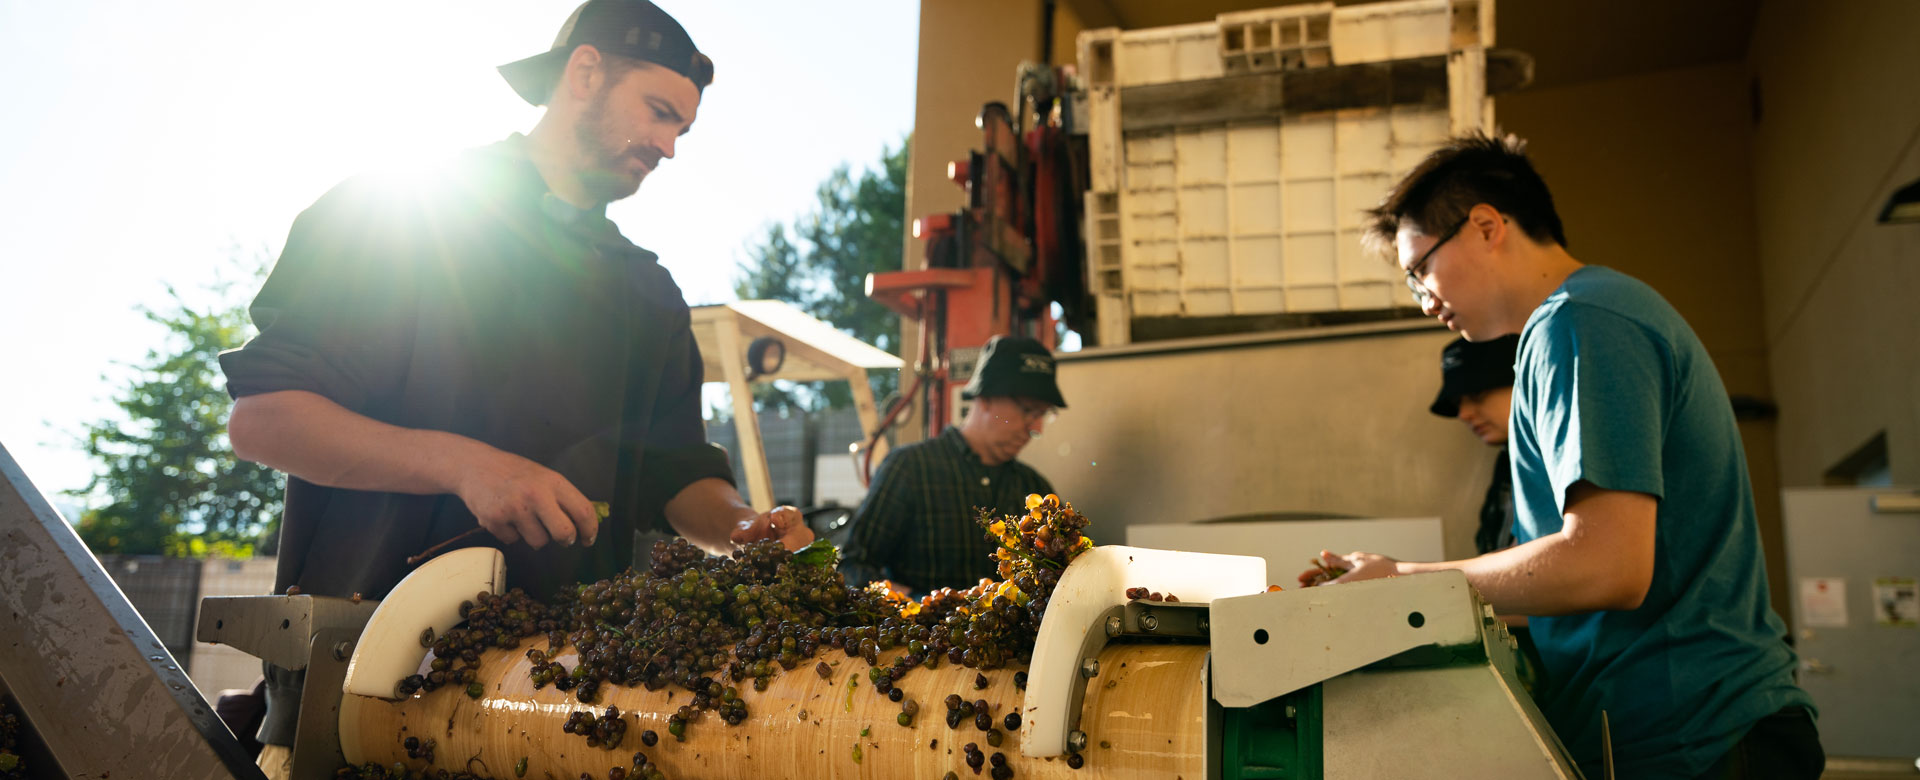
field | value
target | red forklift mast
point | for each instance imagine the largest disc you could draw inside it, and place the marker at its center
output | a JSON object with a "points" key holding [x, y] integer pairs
{"points": [[998, 266]]}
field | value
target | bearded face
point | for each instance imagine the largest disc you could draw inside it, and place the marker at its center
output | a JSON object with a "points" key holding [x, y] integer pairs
{"points": [[629, 126]]}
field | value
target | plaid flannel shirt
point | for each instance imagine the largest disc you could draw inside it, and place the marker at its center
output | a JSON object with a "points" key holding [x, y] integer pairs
{"points": [[916, 526]]}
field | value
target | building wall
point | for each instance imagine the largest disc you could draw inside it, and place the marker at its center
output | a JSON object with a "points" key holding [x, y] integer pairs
{"points": [[1839, 130], [1319, 426]]}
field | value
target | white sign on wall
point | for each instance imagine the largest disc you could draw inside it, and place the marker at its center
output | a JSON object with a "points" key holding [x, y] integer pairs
{"points": [[1823, 602]]}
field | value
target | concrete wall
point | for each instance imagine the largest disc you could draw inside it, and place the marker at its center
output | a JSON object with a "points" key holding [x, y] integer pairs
{"points": [[1839, 131], [1317, 425]]}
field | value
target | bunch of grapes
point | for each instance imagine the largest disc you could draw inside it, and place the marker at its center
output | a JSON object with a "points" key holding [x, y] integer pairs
{"points": [[491, 621], [416, 748], [11, 766], [1150, 595], [605, 731], [713, 625]]}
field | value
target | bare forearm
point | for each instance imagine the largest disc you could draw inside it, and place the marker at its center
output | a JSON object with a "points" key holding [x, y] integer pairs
{"points": [[313, 438], [1602, 558], [707, 513], [1547, 576]]}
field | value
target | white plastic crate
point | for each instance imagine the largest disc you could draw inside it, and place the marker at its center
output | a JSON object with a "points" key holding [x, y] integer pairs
{"points": [[1164, 55], [1260, 216]]}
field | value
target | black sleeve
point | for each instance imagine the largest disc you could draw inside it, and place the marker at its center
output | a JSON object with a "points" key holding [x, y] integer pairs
{"points": [[337, 313], [676, 453]]}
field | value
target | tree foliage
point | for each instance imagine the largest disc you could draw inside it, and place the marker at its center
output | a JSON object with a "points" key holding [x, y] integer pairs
{"points": [[820, 264], [166, 470]]}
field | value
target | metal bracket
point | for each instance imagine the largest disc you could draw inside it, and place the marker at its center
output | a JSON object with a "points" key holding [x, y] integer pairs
{"points": [[1156, 619], [316, 739], [1077, 620], [90, 677], [278, 629]]}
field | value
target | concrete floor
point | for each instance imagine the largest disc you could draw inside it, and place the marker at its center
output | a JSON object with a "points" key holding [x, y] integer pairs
{"points": [[1844, 768]]}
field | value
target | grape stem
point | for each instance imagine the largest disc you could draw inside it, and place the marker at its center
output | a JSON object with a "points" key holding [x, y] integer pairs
{"points": [[430, 551], [985, 521]]}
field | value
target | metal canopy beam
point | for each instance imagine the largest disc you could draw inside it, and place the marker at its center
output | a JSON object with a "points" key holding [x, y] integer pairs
{"points": [[94, 681]]}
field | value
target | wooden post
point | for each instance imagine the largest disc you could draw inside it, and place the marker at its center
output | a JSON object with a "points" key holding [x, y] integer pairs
{"points": [[869, 414], [1467, 106], [746, 424]]}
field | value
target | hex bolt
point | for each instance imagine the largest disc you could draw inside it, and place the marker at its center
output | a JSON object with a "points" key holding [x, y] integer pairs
{"points": [[342, 650], [1113, 625], [1076, 740], [1148, 622], [1292, 712], [1205, 625], [1091, 668]]}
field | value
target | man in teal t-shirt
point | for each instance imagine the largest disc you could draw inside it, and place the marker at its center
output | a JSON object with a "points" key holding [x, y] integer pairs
{"points": [[1639, 556]]}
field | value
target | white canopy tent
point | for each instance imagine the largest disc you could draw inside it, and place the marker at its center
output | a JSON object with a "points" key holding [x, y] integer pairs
{"points": [[815, 351]]}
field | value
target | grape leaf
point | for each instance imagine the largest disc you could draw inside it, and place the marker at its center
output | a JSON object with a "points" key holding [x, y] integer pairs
{"points": [[820, 553]]}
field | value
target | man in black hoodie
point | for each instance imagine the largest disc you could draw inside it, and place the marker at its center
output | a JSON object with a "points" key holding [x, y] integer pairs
{"points": [[475, 344]]}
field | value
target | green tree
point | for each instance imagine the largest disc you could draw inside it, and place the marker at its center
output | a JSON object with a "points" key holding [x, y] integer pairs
{"points": [[820, 264], [167, 472]]}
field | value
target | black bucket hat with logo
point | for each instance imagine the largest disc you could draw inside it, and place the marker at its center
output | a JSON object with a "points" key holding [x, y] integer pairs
{"points": [[1468, 367], [626, 28], [1015, 367]]}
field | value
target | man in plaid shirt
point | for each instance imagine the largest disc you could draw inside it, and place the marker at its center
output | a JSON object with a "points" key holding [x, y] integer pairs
{"points": [[916, 527]]}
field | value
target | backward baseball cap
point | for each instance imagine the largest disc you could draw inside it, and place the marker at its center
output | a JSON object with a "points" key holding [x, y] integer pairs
{"points": [[1468, 367], [1015, 367], [627, 28]]}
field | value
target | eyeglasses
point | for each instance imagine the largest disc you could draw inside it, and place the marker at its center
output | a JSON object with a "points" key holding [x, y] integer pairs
{"points": [[1035, 412], [1421, 295]]}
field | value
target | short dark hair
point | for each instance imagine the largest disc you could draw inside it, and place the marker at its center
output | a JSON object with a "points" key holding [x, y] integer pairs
{"points": [[1464, 172]]}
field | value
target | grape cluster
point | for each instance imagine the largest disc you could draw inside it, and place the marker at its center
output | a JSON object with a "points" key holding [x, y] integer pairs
{"points": [[712, 625], [605, 731], [11, 765], [1150, 595], [642, 770], [418, 748], [491, 621], [1321, 573]]}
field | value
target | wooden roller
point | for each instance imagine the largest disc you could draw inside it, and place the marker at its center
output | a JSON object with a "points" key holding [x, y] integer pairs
{"points": [[1144, 717]]}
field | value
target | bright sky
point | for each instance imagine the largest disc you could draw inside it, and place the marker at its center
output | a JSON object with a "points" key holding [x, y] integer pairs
{"points": [[144, 142]]}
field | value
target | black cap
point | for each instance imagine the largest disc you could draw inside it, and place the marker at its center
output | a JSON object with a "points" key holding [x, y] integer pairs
{"points": [[626, 28], [1014, 366], [1468, 367]]}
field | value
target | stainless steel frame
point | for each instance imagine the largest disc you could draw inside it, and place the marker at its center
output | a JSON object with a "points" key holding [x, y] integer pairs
{"points": [[91, 679]]}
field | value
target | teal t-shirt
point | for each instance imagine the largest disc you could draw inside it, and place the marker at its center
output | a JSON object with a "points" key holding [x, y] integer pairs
{"points": [[1612, 387]]}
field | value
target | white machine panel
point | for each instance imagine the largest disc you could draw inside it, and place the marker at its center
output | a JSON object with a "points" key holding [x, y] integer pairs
{"points": [[1273, 644], [1289, 546]]}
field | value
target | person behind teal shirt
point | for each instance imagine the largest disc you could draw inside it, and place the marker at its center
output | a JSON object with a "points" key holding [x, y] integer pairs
{"points": [[1639, 559]]}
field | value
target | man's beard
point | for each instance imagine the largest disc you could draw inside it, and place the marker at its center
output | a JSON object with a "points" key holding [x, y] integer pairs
{"points": [[604, 178]]}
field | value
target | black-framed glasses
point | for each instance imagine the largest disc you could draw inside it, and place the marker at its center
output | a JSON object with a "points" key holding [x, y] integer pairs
{"points": [[1421, 295]]}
